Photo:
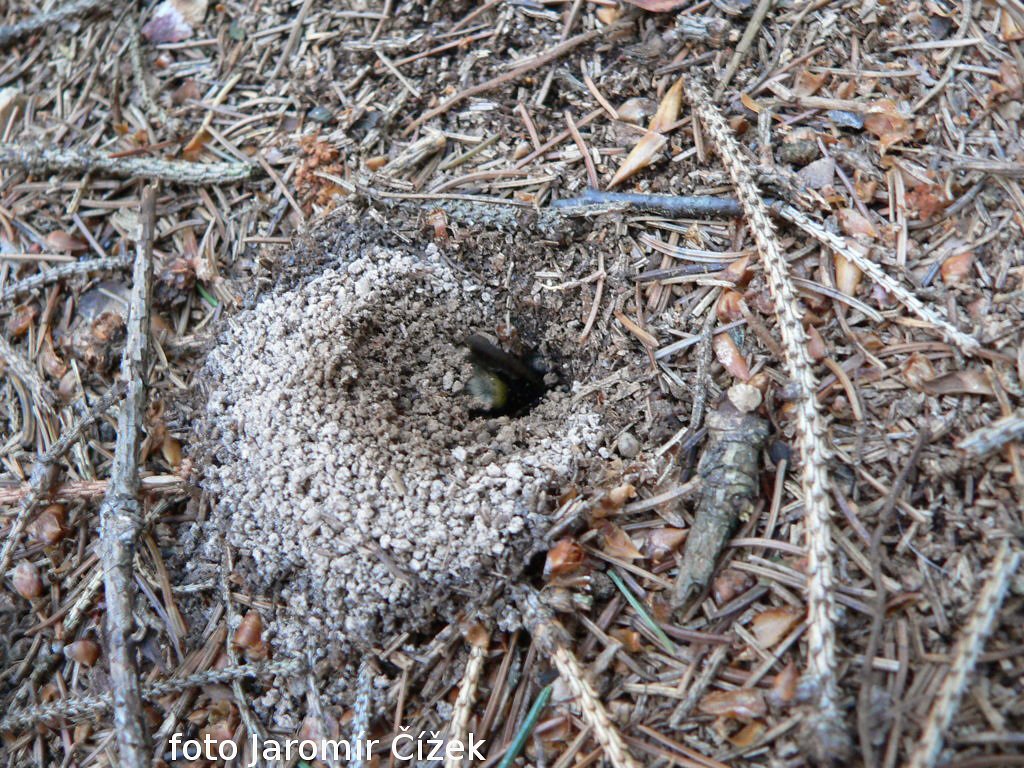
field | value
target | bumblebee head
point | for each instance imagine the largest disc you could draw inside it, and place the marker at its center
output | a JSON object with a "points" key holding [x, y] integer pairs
{"points": [[502, 383]]}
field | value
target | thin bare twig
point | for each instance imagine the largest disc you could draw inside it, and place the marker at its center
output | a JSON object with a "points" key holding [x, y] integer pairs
{"points": [[120, 513], [44, 472], [60, 273], [986, 440]]}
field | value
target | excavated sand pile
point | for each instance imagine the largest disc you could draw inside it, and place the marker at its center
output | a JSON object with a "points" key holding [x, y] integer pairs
{"points": [[347, 470]]}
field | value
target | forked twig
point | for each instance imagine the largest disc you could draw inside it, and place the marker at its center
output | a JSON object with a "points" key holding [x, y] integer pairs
{"points": [[120, 513], [965, 657], [967, 344], [829, 738]]}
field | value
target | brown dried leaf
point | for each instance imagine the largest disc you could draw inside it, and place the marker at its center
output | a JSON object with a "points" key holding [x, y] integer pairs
{"points": [[773, 624], [748, 735], [729, 355], [741, 704], [662, 542], [957, 268], [923, 202], [639, 157], [618, 544], [783, 690], [563, 558], [632, 641], [969, 382], [668, 109], [60, 241], [816, 345], [851, 222], [728, 584], [917, 370], [884, 120], [807, 83], [848, 274]]}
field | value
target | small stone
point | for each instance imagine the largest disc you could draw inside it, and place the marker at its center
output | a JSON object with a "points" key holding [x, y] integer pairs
{"points": [[321, 115], [628, 446], [799, 152]]}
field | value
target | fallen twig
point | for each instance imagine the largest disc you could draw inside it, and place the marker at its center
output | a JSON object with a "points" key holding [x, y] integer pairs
{"points": [[551, 637], [965, 658], [38, 160], [120, 513], [551, 54], [986, 440], [829, 739], [967, 344], [671, 205], [40, 22], [459, 730], [87, 707], [59, 273], [83, 490], [44, 472], [729, 468], [24, 372]]}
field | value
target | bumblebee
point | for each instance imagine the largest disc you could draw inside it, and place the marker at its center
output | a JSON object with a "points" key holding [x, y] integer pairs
{"points": [[502, 383]]}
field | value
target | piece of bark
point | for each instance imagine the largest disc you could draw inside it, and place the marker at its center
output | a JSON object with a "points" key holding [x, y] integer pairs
{"points": [[729, 469]]}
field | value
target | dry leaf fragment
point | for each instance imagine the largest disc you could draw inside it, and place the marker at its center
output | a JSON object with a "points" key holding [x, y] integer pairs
{"points": [[60, 241], [924, 203], [748, 735], [173, 20], [852, 222], [816, 345], [730, 584], [783, 690], [729, 355], [618, 544], [773, 624], [653, 139], [957, 268], [632, 641], [807, 83], [741, 704], [884, 120], [663, 542], [563, 558], [917, 370], [848, 274], [969, 382]]}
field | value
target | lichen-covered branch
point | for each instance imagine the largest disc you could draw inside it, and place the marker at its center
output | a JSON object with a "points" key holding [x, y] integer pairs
{"points": [[42, 21], [40, 160], [120, 513], [729, 471]]}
